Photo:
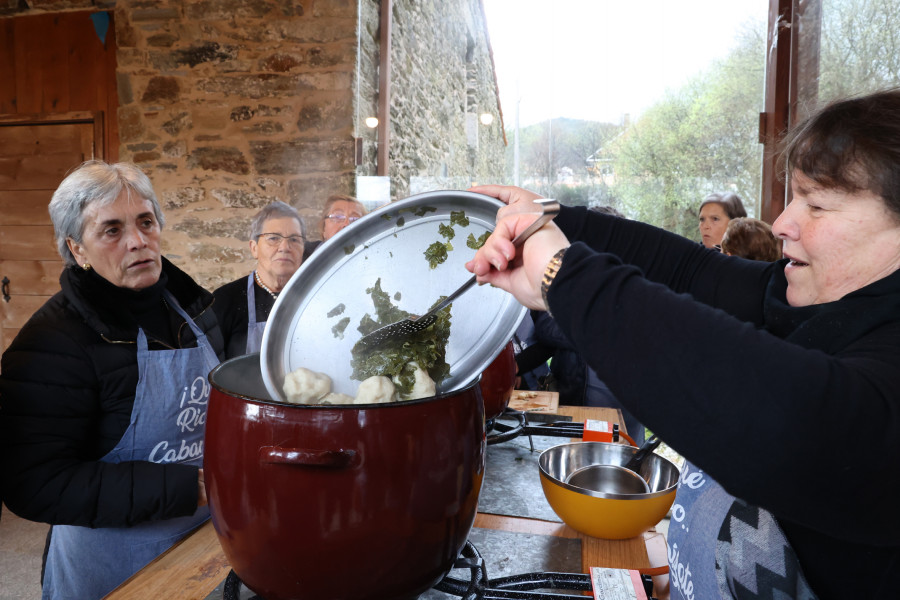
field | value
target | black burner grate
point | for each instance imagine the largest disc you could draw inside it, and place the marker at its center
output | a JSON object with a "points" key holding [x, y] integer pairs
{"points": [[232, 589], [502, 432], [479, 587], [516, 587]]}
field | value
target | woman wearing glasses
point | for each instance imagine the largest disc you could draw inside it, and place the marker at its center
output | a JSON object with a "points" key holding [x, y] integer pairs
{"points": [[339, 212], [242, 306]]}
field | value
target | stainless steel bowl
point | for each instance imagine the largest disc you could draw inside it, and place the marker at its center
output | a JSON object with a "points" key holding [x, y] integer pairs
{"points": [[610, 479], [606, 514]]}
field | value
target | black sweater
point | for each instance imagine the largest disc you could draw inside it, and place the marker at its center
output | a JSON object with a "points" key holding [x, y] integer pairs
{"points": [[795, 410], [66, 395], [231, 309]]}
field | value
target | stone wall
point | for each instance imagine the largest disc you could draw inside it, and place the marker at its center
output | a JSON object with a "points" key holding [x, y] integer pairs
{"points": [[442, 80], [231, 104]]}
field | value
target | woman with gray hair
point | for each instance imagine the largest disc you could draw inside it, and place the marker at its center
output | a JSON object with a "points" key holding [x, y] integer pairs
{"points": [[104, 390], [242, 306]]}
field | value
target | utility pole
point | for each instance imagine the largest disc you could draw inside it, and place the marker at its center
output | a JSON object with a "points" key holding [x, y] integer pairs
{"points": [[516, 141]]}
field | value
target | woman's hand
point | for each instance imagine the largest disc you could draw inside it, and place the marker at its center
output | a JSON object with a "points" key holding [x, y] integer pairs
{"points": [[506, 193], [518, 273], [201, 486]]}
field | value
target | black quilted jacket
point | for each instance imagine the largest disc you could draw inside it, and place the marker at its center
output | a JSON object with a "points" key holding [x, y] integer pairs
{"points": [[67, 389]]}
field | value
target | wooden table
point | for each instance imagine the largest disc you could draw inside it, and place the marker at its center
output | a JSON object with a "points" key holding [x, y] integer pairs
{"points": [[193, 568]]}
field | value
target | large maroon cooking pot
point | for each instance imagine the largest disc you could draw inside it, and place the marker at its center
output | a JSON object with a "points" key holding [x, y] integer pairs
{"points": [[498, 382], [336, 502]]}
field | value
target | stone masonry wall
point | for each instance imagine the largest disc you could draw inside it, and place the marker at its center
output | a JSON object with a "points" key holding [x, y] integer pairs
{"points": [[442, 79], [231, 104]]}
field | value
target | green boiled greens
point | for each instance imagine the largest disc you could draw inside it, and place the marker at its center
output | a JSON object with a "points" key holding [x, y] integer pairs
{"points": [[436, 253], [391, 358]]}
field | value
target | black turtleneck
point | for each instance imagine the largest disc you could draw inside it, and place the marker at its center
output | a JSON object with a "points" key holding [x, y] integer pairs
{"points": [[131, 309]]}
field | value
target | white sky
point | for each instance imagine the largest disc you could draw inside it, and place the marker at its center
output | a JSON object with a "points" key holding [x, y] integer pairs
{"points": [[628, 53]]}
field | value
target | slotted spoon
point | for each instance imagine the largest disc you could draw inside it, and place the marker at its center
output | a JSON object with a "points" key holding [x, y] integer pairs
{"points": [[413, 324]]}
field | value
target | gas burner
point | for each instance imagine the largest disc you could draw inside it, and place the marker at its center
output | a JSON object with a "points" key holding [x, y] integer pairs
{"points": [[479, 586], [499, 431], [234, 589], [515, 587]]}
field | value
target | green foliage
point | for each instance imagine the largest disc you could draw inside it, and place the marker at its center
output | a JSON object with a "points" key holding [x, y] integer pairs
{"points": [[590, 194], [860, 47], [551, 146], [703, 136], [698, 139]]}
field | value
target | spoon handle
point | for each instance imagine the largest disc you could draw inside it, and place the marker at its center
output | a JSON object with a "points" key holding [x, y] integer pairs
{"points": [[549, 209], [646, 448]]}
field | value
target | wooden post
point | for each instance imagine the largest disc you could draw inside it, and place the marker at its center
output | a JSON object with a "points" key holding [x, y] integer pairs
{"points": [[382, 163], [776, 118]]}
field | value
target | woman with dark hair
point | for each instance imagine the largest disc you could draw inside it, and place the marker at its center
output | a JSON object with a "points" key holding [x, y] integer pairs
{"points": [[716, 211], [747, 368], [104, 390], [277, 240]]}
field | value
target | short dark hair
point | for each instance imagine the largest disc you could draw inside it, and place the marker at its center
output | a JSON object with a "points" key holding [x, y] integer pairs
{"points": [[750, 238], [730, 203], [851, 145]]}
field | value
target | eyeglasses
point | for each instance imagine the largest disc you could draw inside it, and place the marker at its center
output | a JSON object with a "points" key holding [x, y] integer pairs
{"points": [[275, 239], [340, 218]]}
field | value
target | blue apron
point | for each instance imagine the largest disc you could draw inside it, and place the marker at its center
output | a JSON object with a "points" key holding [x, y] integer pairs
{"points": [[167, 426], [721, 547], [254, 330]]}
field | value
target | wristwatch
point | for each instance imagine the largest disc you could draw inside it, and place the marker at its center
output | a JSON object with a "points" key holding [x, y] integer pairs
{"points": [[549, 274]]}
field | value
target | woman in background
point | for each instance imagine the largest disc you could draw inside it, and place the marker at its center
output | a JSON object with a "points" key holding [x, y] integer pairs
{"points": [[339, 212], [276, 242], [716, 211], [752, 239]]}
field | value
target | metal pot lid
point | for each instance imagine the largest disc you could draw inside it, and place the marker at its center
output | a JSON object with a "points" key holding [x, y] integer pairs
{"points": [[314, 321]]}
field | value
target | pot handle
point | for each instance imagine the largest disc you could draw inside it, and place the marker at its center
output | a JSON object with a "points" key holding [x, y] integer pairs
{"points": [[328, 459]]}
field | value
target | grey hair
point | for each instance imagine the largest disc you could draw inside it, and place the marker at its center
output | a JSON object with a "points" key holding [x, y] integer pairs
{"points": [[329, 205], [275, 210], [92, 182], [730, 203]]}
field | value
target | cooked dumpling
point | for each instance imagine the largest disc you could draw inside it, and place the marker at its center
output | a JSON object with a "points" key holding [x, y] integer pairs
{"points": [[302, 386], [424, 385], [375, 390], [336, 398]]}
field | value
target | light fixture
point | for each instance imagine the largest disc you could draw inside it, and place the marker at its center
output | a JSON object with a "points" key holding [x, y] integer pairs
{"points": [[372, 122], [486, 118]]}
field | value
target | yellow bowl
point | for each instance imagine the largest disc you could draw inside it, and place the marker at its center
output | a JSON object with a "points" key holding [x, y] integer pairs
{"points": [[606, 515]]}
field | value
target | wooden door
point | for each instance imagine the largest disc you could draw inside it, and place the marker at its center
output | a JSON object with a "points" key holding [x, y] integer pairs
{"points": [[35, 155]]}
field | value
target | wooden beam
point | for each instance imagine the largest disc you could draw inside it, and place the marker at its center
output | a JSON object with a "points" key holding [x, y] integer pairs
{"points": [[382, 164], [775, 120]]}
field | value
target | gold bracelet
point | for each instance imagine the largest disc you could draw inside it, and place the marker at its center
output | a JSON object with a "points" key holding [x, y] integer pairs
{"points": [[549, 274]]}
